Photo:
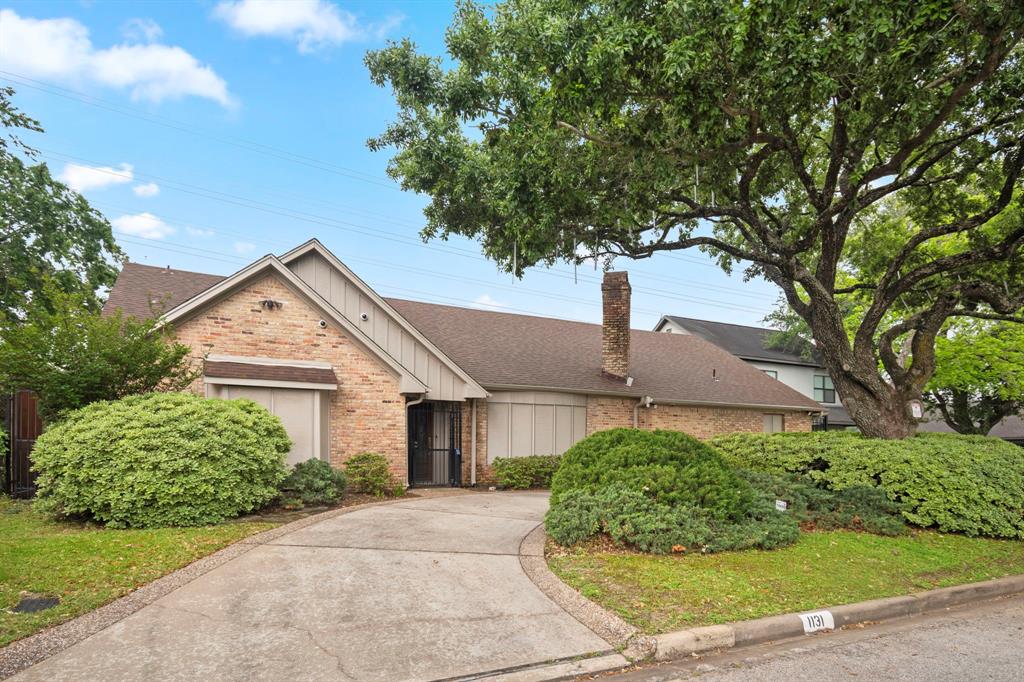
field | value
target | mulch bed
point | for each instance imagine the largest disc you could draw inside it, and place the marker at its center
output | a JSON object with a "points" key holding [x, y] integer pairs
{"points": [[279, 514]]}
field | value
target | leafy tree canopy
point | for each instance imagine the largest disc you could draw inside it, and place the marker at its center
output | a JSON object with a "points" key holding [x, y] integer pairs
{"points": [[71, 356], [760, 132], [47, 231]]}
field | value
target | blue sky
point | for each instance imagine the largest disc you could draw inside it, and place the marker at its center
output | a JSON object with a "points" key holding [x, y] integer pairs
{"points": [[211, 133]]}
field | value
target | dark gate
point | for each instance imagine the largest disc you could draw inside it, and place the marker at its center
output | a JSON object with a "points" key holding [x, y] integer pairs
{"points": [[23, 426], [435, 444]]}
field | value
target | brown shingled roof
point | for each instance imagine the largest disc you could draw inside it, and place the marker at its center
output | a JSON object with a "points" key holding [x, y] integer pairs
{"points": [[141, 289], [509, 350], [504, 349], [248, 370]]}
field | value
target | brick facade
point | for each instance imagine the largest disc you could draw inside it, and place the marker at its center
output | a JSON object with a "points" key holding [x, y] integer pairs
{"points": [[367, 412], [615, 296]]}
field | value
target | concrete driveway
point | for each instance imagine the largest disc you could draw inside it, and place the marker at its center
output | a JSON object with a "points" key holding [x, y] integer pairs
{"points": [[424, 589]]}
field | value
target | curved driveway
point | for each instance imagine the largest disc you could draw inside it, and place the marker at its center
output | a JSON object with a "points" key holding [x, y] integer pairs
{"points": [[423, 589]]}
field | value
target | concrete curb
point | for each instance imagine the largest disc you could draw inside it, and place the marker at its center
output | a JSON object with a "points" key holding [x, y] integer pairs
{"points": [[693, 641], [24, 653], [624, 637]]}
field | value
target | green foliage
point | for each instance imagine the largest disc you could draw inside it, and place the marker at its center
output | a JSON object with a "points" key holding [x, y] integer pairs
{"points": [[760, 132], [51, 239], [71, 356], [519, 473], [659, 491], [161, 459], [668, 466], [965, 484], [369, 473], [815, 506], [631, 518], [313, 482], [979, 375]]}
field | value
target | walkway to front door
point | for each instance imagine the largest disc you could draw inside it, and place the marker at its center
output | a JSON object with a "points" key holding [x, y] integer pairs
{"points": [[424, 589]]}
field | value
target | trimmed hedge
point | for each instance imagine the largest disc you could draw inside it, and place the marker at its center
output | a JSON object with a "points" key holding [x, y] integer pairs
{"points": [[520, 473], [659, 491], [965, 484], [669, 466], [161, 459], [313, 482]]}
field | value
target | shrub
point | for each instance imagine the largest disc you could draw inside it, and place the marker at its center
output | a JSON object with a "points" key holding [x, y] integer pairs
{"points": [[659, 491], [161, 459], [519, 473], [314, 482], [668, 466], [369, 473], [858, 507], [967, 484], [632, 518]]}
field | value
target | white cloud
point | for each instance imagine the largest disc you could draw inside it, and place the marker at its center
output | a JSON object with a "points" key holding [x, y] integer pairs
{"points": [[244, 247], [486, 302], [60, 49], [310, 24], [198, 232], [81, 178], [148, 189], [140, 30], [144, 225]]}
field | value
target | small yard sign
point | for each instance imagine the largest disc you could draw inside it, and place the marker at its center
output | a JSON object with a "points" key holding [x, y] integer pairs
{"points": [[817, 620], [781, 505]]}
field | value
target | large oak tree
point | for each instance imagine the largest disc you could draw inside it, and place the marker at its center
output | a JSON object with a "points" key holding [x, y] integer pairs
{"points": [[759, 131]]}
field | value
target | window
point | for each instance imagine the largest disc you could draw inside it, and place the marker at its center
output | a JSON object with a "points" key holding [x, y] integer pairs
{"points": [[824, 390], [773, 423], [771, 372]]}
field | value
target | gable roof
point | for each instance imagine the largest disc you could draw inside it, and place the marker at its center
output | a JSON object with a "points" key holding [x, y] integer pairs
{"points": [[749, 343], [505, 350], [144, 290]]}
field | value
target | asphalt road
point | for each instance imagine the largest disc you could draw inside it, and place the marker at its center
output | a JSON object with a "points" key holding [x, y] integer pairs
{"points": [[984, 641]]}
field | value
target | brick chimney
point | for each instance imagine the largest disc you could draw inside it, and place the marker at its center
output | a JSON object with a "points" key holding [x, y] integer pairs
{"points": [[615, 292]]}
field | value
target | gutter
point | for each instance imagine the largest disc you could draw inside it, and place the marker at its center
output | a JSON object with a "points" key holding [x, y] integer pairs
{"points": [[645, 402]]}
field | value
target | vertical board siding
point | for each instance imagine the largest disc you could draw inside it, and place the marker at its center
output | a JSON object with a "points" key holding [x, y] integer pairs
{"points": [[385, 331], [524, 423]]}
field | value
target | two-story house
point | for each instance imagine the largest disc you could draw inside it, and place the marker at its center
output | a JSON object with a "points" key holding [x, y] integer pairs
{"points": [[803, 372]]}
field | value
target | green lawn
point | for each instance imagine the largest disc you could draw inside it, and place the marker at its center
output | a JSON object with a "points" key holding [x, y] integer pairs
{"points": [[664, 593], [86, 565]]}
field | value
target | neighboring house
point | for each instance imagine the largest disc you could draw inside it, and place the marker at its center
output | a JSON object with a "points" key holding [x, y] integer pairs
{"points": [[1011, 428], [442, 391], [802, 372]]}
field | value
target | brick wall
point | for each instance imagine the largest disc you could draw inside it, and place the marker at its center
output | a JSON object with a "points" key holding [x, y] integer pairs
{"points": [[484, 473], [367, 411]]}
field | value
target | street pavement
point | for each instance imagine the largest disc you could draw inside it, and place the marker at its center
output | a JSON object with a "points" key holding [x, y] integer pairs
{"points": [[983, 641]]}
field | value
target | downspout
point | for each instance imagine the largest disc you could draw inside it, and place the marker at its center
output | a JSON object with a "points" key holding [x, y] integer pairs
{"points": [[423, 396], [472, 440], [646, 401]]}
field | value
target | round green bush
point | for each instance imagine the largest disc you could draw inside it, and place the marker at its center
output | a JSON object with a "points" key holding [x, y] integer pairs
{"points": [[962, 484], [313, 482], [369, 473], [520, 473], [161, 459], [659, 491], [668, 466]]}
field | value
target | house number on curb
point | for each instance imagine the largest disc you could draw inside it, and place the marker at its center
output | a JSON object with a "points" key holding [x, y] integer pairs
{"points": [[818, 620]]}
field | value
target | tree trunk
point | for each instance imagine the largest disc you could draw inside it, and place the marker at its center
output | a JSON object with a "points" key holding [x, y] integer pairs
{"points": [[878, 408]]}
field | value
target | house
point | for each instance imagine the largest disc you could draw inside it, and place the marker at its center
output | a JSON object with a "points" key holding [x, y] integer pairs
{"points": [[442, 391], [803, 372]]}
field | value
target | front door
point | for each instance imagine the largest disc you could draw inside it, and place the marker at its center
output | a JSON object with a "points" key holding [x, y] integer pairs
{"points": [[435, 444]]}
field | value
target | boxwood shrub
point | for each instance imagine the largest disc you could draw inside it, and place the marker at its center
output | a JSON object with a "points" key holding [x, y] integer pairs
{"points": [[520, 473], [161, 459], [659, 491], [965, 484], [369, 473]]}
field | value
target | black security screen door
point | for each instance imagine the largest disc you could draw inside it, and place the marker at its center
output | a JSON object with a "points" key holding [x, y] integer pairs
{"points": [[435, 443]]}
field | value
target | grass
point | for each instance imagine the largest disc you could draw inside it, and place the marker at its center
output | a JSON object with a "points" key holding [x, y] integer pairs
{"points": [[86, 565], [664, 593]]}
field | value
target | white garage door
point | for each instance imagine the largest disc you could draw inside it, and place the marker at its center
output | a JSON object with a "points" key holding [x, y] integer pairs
{"points": [[297, 410]]}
